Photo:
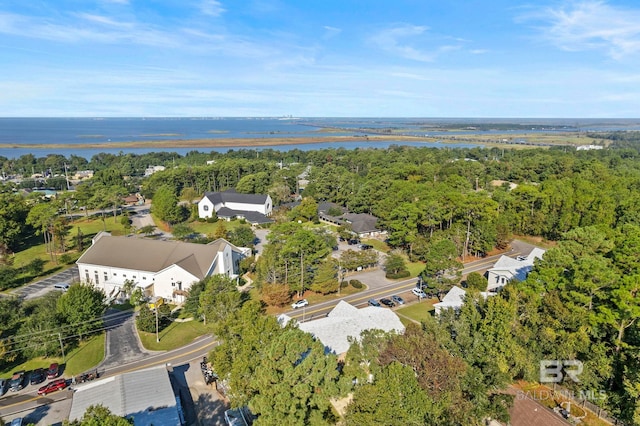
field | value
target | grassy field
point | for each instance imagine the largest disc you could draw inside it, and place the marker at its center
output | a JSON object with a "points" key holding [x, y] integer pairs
{"points": [[83, 358], [177, 334], [418, 311], [35, 248], [377, 244]]}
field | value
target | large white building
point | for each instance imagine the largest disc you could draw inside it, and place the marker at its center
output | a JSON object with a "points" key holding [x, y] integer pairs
{"points": [[230, 204], [160, 268]]}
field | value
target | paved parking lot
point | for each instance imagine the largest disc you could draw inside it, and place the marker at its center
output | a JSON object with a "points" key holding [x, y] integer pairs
{"points": [[44, 286]]}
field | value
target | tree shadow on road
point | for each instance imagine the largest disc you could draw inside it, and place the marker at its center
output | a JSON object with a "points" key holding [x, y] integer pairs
{"points": [[36, 415]]}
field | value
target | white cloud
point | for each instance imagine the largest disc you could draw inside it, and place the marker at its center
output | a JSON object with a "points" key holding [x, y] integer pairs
{"points": [[392, 40], [330, 32], [591, 25], [212, 8]]}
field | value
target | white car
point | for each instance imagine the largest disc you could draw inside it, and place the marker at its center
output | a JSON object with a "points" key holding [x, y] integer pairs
{"points": [[418, 292], [300, 304]]}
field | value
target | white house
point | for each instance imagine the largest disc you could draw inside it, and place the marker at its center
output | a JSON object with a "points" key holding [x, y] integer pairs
{"points": [[508, 268], [160, 268], [454, 299], [230, 204], [153, 169], [346, 321]]}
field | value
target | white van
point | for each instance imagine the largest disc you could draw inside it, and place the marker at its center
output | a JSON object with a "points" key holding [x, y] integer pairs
{"points": [[61, 286]]}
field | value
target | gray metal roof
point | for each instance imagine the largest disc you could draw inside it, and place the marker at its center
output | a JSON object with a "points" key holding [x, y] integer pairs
{"points": [[152, 255], [346, 321], [231, 196], [146, 395]]}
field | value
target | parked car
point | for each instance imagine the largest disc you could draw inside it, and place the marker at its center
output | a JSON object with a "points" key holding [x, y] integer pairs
{"points": [[38, 376], [397, 299], [299, 304], [353, 242], [16, 422], [373, 302], [53, 386], [418, 292], [365, 246], [61, 286], [17, 381], [387, 302], [53, 371], [4, 383]]}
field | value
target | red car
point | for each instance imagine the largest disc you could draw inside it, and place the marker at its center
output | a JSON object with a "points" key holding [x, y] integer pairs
{"points": [[52, 372], [52, 386]]}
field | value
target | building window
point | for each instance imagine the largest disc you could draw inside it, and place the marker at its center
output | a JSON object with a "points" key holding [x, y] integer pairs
{"points": [[86, 276], [115, 275], [97, 279], [144, 278], [205, 208], [106, 276]]}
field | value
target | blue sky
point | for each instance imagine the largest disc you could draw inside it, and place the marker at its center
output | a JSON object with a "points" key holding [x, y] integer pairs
{"points": [[357, 58]]}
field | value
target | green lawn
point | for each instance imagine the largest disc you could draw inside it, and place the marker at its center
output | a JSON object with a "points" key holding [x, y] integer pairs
{"points": [[417, 311], [83, 358], [36, 248], [177, 334], [415, 268], [377, 244]]}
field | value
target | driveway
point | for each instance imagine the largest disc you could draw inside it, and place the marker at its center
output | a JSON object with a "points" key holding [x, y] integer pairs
{"points": [[122, 343]]}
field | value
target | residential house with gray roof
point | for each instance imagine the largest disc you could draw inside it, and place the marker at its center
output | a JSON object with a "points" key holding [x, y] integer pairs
{"points": [[255, 208]]}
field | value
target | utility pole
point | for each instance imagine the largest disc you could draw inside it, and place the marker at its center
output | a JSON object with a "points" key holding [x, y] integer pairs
{"points": [[66, 177], [157, 337], [62, 348]]}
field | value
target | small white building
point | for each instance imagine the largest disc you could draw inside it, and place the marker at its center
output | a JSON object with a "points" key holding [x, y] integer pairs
{"points": [[153, 169], [160, 268], [455, 298], [508, 268], [230, 204], [346, 321]]}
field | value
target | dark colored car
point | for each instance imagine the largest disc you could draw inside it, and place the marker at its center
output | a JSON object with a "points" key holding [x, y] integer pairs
{"points": [[53, 386], [373, 302], [397, 299], [53, 371], [17, 381], [387, 302], [366, 246], [353, 242], [3, 386], [38, 376]]}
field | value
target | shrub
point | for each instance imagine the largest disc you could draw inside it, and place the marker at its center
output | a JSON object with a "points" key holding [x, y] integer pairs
{"points": [[66, 259], [356, 284], [344, 284], [400, 274]]}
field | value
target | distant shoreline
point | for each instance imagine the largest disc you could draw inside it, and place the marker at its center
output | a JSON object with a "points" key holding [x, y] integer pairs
{"points": [[540, 139], [217, 142]]}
